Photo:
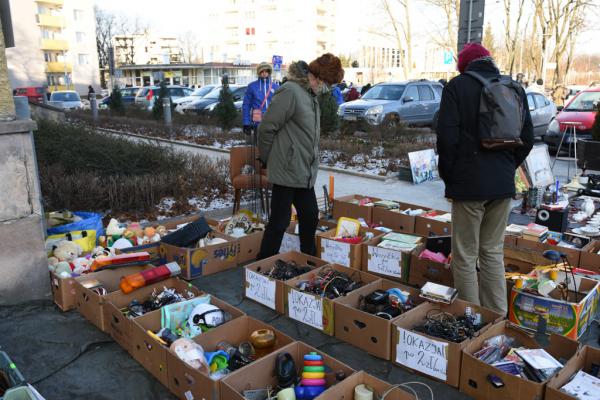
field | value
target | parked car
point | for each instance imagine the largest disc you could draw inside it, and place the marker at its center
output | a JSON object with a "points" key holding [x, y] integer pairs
{"points": [[196, 95], [413, 102], [208, 103], [580, 110], [66, 99], [33, 93], [145, 100], [127, 96], [543, 111]]}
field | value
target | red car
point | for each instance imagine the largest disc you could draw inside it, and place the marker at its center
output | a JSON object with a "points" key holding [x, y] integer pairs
{"points": [[581, 110], [32, 93]]}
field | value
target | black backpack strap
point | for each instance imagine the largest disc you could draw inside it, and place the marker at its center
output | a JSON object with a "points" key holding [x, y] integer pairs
{"points": [[479, 78]]}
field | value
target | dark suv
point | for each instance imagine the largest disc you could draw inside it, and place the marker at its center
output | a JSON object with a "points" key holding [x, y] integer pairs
{"points": [[413, 102]]}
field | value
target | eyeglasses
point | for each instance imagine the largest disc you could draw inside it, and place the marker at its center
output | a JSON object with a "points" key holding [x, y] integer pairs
{"points": [[212, 318]]}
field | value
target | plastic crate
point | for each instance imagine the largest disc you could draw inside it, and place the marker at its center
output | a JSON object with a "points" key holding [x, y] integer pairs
{"points": [[10, 373]]}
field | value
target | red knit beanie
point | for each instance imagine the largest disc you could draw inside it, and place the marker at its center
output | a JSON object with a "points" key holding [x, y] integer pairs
{"points": [[471, 52]]}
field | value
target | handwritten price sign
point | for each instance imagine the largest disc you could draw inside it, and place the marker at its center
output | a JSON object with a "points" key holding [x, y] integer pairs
{"points": [[306, 308], [336, 252], [422, 354], [290, 243], [385, 261], [260, 288]]}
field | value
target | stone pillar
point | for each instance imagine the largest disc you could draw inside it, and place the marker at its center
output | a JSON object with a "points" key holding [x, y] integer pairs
{"points": [[23, 265]]}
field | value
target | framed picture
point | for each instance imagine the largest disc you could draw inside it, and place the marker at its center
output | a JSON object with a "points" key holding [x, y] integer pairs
{"points": [[538, 167], [423, 165]]}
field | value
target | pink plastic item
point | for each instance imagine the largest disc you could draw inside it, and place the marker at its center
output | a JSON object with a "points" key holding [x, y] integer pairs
{"points": [[431, 256]]}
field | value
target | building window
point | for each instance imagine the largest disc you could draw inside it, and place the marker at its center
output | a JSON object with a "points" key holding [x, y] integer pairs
{"points": [[83, 59], [80, 37], [78, 15], [250, 31]]}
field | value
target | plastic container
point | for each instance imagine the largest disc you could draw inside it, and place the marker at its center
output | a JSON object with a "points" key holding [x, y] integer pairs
{"points": [[135, 281], [10, 371], [19, 393]]}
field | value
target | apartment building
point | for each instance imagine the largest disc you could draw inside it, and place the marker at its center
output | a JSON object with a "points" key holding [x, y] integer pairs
{"points": [[242, 31], [144, 48], [55, 45]]}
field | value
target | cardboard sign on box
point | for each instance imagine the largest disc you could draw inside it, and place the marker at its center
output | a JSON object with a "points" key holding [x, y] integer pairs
{"points": [[63, 292], [590, 257], [581, 361], [345, 389], [346, 254], [432, 356], [366, 331], [343, 207], [291, 239], [566, 318], [195, 262], [119, 325], [474, 374], [423, 271], [185, 380], [90, 304], [262, 374], [427, 227], [389, 263], [395, 220], [313, 310], [153, 355], [269, 291], [249, 243]]}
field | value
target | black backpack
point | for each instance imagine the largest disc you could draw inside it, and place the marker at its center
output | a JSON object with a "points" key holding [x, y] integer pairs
{"points": [[501, 112]]}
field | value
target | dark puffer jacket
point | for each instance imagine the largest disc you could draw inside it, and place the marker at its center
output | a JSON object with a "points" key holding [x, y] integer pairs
{"points": [[470, 172]]}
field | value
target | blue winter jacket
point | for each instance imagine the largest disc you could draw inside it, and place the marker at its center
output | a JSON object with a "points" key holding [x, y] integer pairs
{"points": [[337, 95], [255, 94]]}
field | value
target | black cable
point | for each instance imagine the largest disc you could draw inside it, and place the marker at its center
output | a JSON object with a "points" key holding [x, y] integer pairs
{"points": [[82, 351]]}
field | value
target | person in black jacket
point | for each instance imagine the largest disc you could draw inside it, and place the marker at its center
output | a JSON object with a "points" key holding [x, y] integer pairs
{"points": [[480, 183]]}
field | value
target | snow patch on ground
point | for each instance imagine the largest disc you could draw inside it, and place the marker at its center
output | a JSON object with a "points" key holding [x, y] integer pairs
{"points": [[166, 204]]}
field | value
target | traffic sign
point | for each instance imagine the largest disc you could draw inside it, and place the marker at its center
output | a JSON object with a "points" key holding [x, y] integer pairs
{"points": [[277, 61], [470, 24], [448, 58]]}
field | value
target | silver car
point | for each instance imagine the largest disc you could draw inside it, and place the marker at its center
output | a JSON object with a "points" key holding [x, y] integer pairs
{"points": [[196, 95], [66, 99], [145, 100], [543, 111]]}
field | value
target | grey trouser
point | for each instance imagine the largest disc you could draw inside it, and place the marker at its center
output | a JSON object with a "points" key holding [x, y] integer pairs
{"points": [[478, 236]]}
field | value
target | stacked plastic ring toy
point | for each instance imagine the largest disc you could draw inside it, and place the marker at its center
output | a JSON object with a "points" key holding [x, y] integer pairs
{"points": [[313, 377]]}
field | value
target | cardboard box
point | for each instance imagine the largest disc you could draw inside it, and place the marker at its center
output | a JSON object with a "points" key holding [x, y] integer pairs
{"points": [[345, 389], [366, 331], [510, 240], [90, 304], [195, 262], [395, 220], [581, 361], [515, 266], [391, 264], [291, 239], [432, 356], [427, 227], [567, 318], [474, 375], [422, 271], [185, 380], [590, 259], [249, 243], [149, 352], [346, 254], [119, 325], [313, 310], [269, 291], [573, 255], [342, 207], [63, 292], [262, 374]]}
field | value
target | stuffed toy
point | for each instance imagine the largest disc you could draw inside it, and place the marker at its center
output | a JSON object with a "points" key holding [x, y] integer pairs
{"points": [[161, 230], [114, 228], [63, 257], [191, 353], [150, 235]]}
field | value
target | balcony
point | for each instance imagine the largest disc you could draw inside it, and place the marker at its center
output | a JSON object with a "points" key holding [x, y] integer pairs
{"points": [[55, 44], [58, 67], [50, 20], [52, 2]]}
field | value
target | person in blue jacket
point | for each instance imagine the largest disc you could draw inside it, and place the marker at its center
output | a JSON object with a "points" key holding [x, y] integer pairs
{"points": [[258, 97], [337, 94]]}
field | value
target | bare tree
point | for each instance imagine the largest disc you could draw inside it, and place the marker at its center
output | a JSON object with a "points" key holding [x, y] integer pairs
{"points": [[447, 37], [511, 30], [104, 31], [189, 47], [401, 32]]}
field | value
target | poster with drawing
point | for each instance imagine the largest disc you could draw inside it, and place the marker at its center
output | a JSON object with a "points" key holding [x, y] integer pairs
{"points": [[423, 165], [538, 167]]}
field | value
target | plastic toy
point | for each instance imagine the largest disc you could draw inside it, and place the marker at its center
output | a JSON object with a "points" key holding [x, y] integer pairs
{"points": [[313, 378]]}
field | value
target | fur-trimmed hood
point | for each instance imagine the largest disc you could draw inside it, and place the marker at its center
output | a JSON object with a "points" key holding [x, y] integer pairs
{"points": [[295, 75]]}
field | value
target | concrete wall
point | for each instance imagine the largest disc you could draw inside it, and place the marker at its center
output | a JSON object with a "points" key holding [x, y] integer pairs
{"points": [[23, 264]]}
